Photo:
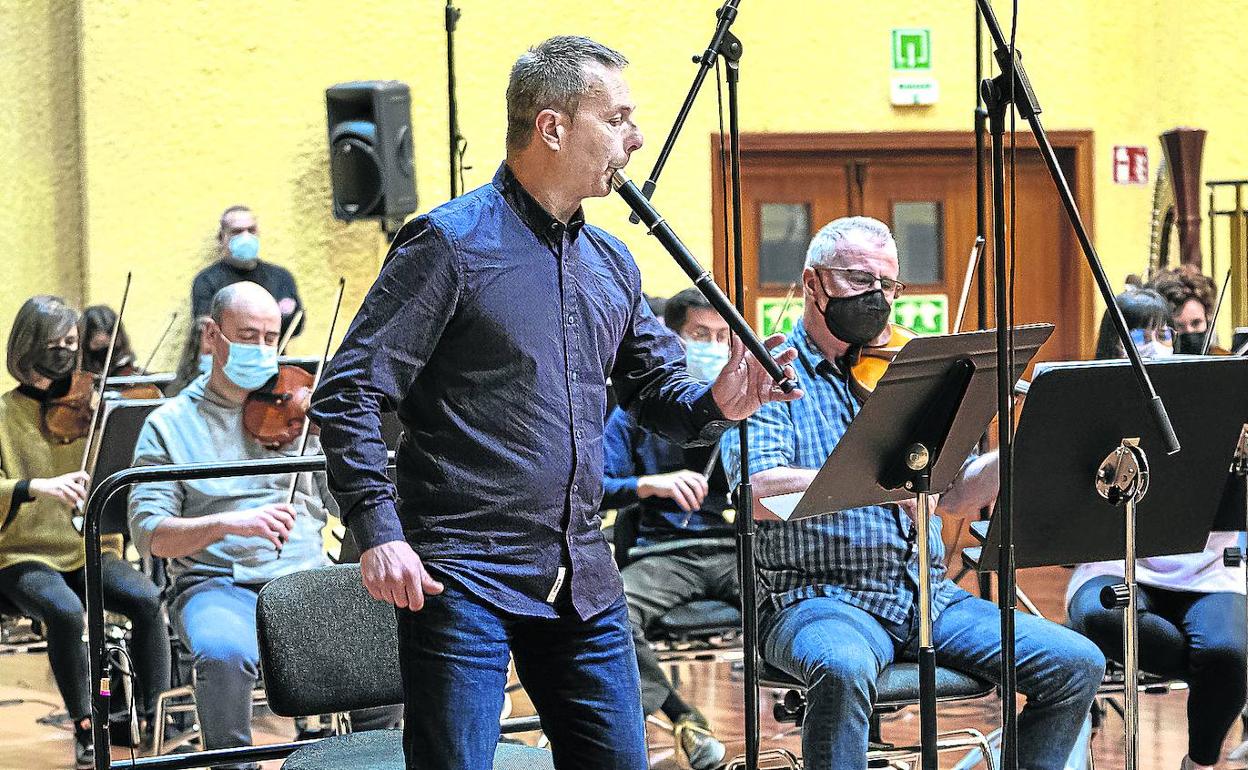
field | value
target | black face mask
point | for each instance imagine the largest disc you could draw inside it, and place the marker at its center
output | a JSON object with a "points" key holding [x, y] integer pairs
{"points": [[1189, 342], [55, 363], [857, 319]]}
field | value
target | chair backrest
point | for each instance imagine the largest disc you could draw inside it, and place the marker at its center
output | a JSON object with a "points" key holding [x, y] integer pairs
{"points": [[118, 434], [326, 645], [624, 533]]}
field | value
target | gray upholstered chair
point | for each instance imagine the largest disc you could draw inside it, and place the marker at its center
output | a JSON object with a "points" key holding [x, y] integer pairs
{"points": [[327, 646]]}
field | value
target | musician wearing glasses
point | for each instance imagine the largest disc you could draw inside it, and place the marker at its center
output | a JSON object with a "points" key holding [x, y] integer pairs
{"points": [[1192, 619], [839, 592], [492, 329]]}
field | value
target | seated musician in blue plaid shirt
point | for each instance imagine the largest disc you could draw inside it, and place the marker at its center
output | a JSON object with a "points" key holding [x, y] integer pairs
{"points": [[838, 592]]}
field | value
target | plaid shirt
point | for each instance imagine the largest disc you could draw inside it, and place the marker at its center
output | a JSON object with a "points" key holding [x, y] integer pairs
{"points": [[863, 556]]}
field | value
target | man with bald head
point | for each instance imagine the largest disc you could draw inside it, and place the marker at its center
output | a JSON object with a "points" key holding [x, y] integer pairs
{"points": [[225, 538]]}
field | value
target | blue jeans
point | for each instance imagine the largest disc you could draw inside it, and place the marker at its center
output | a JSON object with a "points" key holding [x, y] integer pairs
{"points": [[216, 620], [1198, 638], [580, 674], [838, 650]]}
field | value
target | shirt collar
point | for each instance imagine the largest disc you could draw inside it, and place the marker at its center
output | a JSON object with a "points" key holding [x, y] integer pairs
{"points": [[538, 219], [809, 355]]}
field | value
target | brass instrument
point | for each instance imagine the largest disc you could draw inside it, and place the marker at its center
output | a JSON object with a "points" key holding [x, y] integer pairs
{"points": [[1176, 200]]}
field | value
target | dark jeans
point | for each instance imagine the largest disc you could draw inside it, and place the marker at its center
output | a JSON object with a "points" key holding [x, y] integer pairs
{"points": [[1198, 638], [655, 584], [580, 674], [838, 650], [55, 599]]}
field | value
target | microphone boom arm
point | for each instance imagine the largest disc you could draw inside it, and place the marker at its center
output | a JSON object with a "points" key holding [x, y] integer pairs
{"points": [[660, 229]]}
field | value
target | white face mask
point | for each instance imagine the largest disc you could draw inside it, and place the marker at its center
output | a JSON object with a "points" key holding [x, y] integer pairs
{"points": [[705, 360]]}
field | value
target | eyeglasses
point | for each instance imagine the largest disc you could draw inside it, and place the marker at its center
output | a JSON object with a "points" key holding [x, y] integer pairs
{"points": [[861, 280], [1163, 335]]}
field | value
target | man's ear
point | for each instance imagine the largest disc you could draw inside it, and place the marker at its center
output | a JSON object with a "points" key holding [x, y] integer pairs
{"points": [[210, 331], [550, 128]]}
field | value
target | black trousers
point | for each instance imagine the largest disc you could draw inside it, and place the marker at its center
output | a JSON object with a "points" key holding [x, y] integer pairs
{"points": [[55, 600], [655, 584], [1196, 637]]}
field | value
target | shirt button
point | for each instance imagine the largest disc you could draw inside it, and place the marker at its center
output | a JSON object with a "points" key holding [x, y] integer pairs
{"points": [[576, 488], [571, 319], [574, 376]]}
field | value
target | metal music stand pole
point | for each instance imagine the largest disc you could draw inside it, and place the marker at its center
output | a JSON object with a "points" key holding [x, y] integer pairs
{"points": [[1123, 478]]}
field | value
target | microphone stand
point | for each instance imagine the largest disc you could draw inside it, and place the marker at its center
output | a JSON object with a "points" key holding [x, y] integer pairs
{"points": [[720, 45], [726, 45], [452, 112], [1013, 87]]}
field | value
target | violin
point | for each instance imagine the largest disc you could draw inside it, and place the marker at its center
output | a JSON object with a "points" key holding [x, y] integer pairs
{"points": [[275, 414], [141, 390], [871, 361], [68, 418]]}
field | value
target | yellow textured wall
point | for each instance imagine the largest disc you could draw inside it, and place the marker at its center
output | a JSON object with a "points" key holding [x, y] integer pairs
{"points": [[189, 107], [40, 223]]}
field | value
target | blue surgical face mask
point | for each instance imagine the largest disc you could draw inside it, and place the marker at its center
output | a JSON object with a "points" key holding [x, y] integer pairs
{"points": [[244, 248], [205, 363], [705, 360], [250, 366]]}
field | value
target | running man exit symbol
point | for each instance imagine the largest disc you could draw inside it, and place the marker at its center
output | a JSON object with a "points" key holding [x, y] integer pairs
{"points": [[912, 49]]}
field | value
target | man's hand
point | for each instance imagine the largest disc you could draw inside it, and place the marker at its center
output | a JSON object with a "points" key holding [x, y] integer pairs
{"points": [[687, 488], [69, 488], [393, 573], [910, 505], [272, 522], [744, 385]]}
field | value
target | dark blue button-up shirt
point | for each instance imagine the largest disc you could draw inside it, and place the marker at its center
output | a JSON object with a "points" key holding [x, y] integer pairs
{"points": [[492, 329]]}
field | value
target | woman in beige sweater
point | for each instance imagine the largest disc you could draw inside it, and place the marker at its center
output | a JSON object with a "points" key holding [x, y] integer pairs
{"points": [[41, 553]]}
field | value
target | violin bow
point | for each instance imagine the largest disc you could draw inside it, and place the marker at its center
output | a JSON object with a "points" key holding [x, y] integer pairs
{"points": [[977, 251], [290, 330], [316, 380], [169, 326], [108, 364]]}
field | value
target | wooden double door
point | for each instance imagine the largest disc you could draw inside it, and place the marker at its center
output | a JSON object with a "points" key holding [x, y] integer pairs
{"points": [[922, 186]]}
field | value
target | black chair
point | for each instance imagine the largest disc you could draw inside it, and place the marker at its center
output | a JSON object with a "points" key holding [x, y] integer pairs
{"points": [[698, 625], [897, 687], [118, 433], [327, 646]]}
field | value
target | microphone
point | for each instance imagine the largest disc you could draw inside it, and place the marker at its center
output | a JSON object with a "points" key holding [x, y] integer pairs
{"points": [[659, 228]]}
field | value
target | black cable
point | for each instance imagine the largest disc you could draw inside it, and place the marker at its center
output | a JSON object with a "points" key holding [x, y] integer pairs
{"points": [[130, 672], [1013, 202], [723, 172]]}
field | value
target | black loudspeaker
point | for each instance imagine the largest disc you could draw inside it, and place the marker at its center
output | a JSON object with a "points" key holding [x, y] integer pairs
{"points": [[370, 150]]}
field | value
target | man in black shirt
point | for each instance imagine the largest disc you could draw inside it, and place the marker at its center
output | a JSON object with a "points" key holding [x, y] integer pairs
{"points": [[238, 252]]}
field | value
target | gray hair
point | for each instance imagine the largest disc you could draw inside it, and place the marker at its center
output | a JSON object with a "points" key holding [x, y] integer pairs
{"points": [[551, 75], [40, 320], [825, 245]]}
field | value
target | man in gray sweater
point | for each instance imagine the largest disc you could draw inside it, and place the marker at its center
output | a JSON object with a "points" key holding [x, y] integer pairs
{"points": [[225, 538]]}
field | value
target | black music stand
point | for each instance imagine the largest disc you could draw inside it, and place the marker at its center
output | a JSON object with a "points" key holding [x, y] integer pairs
{"points": [[911, 437], [1086, 443]]}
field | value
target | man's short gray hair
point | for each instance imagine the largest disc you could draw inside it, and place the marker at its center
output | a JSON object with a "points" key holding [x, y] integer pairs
{"points": [[824, 246], [551, 75]]}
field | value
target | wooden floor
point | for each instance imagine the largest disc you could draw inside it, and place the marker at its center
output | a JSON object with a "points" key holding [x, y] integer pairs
{"points": [[715, 687]]}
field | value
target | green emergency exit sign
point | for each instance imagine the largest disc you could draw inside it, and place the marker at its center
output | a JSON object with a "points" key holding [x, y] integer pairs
{"points": [[912, 49]]}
